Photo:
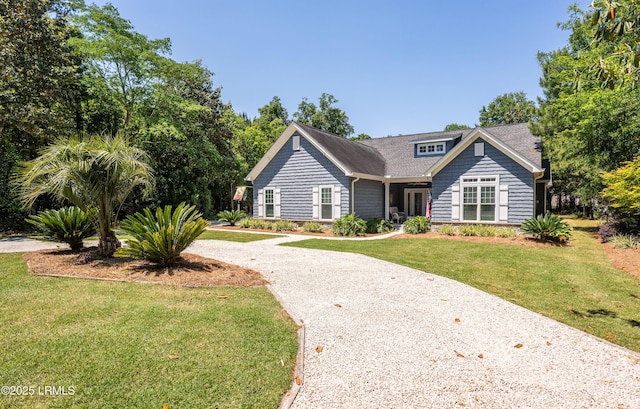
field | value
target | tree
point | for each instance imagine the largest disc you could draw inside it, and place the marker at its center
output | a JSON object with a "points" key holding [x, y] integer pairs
{"points": [[37, 76], [188, 139], [360, 137], [326, 117], [121, 62], [455, 127], [622, 188], [98, 172], [586, 129], [617, 22], [510, 108]]}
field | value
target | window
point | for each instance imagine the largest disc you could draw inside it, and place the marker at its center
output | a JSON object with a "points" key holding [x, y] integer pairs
{"points": [[295, 141], [326, 203], [429, 148], [479, 199], [269, 203]]}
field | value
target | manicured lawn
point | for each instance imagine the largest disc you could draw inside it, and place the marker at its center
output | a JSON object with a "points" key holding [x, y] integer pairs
{"points": [[123, 345], [573, 284], [219, 235], [235, 236]]}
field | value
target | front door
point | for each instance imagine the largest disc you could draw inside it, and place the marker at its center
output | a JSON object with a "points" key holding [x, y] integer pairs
{"points": [[415, 202]]}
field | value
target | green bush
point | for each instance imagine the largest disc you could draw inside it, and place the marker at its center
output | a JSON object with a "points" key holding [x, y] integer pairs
{"points": [[68, 225], [285, 225], [625, 241], [249, 223], [349, 225], [380, 226], [231, 216], [313, 227], [486, 231], [161, 238], [468, 230], [548, 226], [447, 230], [506, 232], [416, 225]]}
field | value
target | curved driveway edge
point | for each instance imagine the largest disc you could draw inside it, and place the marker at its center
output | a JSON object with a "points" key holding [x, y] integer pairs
{"points": [[394, 337]]}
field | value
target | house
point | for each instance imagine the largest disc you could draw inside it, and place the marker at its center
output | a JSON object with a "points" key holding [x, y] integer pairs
{"points": [[484, 175]]}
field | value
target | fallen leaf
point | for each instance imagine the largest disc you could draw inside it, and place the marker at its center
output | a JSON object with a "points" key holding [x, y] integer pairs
{"points": [[165, 407], [480, 356], [174, 356], [298, 380], [611, 337], [517, 346], [548, 343], [633, 358], [457, 320], [442, 299], [458, 354], [223, 296], [338, 305], [319, 348]]}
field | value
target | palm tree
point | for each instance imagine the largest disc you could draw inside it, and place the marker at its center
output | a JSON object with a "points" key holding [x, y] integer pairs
{"points": [[95, 172]]}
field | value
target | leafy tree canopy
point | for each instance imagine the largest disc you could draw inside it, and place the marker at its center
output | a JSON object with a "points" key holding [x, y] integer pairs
{"points": [[455, 127], [510, 108], [326, 116]]}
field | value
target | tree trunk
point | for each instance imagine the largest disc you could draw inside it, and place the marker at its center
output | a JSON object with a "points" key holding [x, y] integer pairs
{"points": [[108, 244]]}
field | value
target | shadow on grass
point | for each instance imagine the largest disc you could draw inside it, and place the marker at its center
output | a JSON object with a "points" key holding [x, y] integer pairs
{"points": [[601, 312]]}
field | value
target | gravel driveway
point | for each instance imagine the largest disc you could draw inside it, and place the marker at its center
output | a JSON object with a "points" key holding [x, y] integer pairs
{"points": [[394, 337]]}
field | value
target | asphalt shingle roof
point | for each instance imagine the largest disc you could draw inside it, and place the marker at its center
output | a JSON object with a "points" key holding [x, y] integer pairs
{"points": [[394, 156]]}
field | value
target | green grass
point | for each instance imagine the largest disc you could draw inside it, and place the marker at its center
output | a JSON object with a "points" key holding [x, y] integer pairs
{"points": [[218, 235], [235, 236], [572, 284], [113, 341]]}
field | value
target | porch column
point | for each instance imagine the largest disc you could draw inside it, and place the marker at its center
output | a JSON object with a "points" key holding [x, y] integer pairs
{"points": [[386, 200]]}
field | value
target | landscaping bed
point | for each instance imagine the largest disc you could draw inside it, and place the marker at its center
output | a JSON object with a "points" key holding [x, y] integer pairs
{"points": [[190, 271]]}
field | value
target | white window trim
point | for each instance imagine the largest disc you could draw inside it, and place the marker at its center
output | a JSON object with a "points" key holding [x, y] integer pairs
{"points": [[479, 181], [435, 146], [262, 202], [320, 188]]}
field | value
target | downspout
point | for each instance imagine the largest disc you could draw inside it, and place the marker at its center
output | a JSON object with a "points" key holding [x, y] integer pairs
{"points": [[353, 195]]}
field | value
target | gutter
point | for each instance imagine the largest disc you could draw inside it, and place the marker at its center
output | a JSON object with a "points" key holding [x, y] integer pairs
{"points": [[353, 195]]}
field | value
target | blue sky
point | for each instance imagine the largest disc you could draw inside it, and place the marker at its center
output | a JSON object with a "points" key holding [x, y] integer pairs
{"points": [[396, 67]]}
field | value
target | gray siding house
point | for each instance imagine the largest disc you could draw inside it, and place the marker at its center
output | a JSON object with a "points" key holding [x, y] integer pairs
{"points": [[491, 175]]}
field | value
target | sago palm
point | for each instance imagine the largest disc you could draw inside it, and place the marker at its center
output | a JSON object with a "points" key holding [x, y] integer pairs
{"points": [[96, 171]]}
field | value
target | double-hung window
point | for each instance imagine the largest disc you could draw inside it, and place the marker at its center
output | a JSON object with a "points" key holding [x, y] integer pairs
{"points": [[479, 199], [269, 203], [326, 203]]}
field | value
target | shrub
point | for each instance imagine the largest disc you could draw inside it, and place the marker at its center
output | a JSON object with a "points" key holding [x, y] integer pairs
{"points": [[506, 232], [607, 231], [468, 230], [313, 227], [349, 225], [161, 238], [486, 231], [245, 223], [380, 226], [416, 225], [231, 216], [249, 223], [625, 241], [285, 225], [548, 226], [447, 230], [68, 225]]}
